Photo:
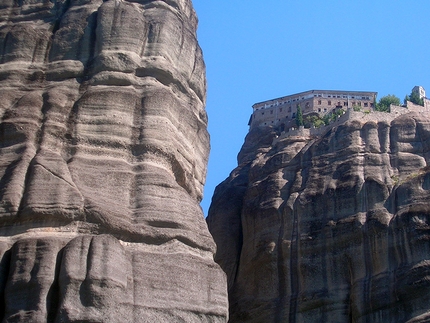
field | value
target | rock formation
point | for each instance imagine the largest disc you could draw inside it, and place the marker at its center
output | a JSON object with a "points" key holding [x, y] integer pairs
{"points": [[103, 153], [329, 229]]}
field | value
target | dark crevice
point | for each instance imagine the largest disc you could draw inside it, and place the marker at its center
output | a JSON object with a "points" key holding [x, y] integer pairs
{"points": [[367, 284], [59, 15], [45, 109], [60, 12], [350, 298], [392, 259], [4, 49], [282, 275], [145, 38], [4, 274], [239, 253], [294, 270], [92, 25], [27, 179], [53, 297]]}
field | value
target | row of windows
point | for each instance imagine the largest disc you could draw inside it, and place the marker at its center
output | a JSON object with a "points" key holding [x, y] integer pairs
{"points": [[315, 95], [329, 102], [344, 97], [345, 103]]}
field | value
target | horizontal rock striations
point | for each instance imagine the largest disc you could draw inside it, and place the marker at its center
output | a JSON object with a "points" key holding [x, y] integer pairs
{"points": [[103, 154], [330, 229]]}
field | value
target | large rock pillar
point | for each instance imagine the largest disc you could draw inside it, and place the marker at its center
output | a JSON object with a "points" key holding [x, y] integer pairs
{"points": [[103, 154]]}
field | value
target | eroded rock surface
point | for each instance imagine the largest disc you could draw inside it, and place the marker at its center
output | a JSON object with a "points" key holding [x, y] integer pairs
{"points": [[103, 153], [331, 229]]}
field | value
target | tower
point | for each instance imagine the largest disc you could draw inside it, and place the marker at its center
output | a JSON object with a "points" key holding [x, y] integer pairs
{"points": [[420, 90]]}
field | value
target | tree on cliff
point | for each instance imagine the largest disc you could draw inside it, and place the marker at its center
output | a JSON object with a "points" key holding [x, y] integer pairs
{"points": [[414, 98], [299, 117], [385, 102]]}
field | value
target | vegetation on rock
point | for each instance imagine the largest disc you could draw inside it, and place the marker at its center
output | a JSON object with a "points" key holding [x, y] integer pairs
{"points": [[414, 97], [384, 103], [299, 117]]}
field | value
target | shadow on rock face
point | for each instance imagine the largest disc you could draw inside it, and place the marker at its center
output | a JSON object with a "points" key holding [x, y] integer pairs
{"points": [[330, 229]]}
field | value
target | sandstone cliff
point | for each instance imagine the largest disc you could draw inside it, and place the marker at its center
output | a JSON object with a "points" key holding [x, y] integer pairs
{"points": [[103, 153], [330, 229]]}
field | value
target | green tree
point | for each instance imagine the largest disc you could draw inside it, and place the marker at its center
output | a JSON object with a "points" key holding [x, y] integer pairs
{"points": [[313, 120], [385, 102], [415, 98], [299, 117]]}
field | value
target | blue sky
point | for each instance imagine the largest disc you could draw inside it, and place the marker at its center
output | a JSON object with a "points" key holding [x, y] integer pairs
{"points": [[260, 50]]}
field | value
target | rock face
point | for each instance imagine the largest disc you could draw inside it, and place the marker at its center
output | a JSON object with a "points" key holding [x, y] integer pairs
{"points": [[330, 229], [103, 153]]}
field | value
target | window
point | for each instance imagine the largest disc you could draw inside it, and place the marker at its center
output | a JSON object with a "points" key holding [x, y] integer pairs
{"points": [[345, 103], [359, 104], [294, 115], [280, 109], [319, 109], [319, 102], [271, 111], [289, 109], [366, 104], [329, 102], [262, 113]]}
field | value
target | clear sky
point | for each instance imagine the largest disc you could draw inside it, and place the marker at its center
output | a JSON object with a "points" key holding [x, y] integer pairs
{"points": [[260, 50]]}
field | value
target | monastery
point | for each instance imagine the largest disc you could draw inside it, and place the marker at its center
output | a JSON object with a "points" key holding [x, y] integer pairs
{"points": [[281, 112]]}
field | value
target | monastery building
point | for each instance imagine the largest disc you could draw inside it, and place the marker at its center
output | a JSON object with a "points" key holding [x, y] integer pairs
{"points": [[282, 111]]}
